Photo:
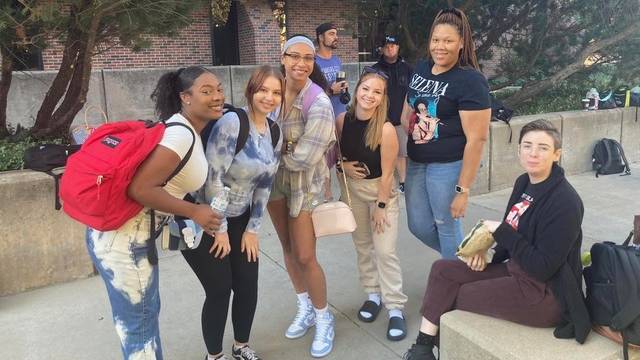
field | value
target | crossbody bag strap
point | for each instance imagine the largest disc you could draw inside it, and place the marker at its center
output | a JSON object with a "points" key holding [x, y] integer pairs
{"points": [[344, 174]]}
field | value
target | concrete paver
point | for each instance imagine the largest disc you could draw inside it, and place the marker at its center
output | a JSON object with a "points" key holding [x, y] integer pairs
{"points": [[73, 320]]}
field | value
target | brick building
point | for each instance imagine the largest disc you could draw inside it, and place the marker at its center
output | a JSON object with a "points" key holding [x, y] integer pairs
{"points": [[251, 36]]}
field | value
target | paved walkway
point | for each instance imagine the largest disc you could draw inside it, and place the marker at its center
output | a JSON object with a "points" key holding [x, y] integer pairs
{"points": [[73, 320]]}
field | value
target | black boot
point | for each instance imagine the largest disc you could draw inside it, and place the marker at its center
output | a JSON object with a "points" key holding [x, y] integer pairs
{"points": [[419, 352]]}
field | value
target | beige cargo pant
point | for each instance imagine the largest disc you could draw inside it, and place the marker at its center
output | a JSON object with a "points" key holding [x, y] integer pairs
{"points": [[378, 264]]}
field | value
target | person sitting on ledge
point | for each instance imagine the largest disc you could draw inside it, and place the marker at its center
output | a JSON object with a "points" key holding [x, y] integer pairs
{"points": [[535, 277]]}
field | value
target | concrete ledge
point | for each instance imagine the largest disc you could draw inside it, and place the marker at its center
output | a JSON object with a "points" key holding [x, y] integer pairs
{"points": [[580, 132], [470, 336], [39, 246], [631, 133]]}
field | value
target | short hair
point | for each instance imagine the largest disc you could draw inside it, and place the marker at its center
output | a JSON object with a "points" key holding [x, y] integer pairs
{"points": [[545, 126]]}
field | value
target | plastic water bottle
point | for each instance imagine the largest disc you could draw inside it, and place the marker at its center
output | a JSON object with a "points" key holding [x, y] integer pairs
{"points": [[594, 98], [221, 200], [189, 237]]}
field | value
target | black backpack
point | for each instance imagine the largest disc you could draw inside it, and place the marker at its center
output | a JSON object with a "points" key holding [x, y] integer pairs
{"points": [[608, 158], [607, 100], [243, 134], [50, 159], [613, 289], [499, 112]]}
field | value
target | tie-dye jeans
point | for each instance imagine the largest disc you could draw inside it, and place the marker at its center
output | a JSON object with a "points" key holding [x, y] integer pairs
{"points": [[132, 285]]}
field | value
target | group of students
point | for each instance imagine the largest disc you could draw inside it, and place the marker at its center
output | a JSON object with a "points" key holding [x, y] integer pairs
{"points": [[285, 174]]}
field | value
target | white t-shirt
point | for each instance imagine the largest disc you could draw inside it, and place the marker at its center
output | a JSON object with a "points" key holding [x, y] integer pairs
{"points": [[194, 173]]}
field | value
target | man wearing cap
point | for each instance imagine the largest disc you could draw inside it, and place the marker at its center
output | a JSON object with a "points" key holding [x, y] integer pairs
{"points": [[330, 64], [399, 73]]}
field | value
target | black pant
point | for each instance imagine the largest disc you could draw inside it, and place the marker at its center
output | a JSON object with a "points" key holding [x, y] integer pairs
{"points": [[218, 277]]}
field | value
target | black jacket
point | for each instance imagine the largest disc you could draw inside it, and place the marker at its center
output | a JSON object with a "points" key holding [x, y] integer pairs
{"points": [[547, 246], [399, 75]]}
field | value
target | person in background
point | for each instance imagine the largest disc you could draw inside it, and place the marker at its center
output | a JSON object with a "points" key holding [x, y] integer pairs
{"points": [[330, 65], [399, 73]]}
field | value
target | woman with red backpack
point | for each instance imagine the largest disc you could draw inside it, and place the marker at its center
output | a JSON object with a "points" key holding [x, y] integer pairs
{"points": [[192, 97]]}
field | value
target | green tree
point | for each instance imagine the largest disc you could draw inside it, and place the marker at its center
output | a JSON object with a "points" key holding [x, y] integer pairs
{"points": [[538, 43], [21, 29], [87, 27]]}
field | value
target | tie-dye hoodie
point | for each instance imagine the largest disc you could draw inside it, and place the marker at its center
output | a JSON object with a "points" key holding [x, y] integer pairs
{"points": [[249, 174]]}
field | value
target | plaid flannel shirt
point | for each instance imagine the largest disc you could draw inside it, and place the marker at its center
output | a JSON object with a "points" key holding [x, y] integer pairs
{"points": [[305, 165]]}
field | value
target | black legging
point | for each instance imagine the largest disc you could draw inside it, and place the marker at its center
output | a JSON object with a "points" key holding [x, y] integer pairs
{"points": [[219, 277]]}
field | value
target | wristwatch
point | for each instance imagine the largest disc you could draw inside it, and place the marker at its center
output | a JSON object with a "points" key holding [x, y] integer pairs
{"points": [[461, 190], [381, 204]]}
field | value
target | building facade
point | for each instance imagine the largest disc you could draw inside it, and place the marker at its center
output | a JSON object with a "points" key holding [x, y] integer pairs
{"points": [[253, 35]]}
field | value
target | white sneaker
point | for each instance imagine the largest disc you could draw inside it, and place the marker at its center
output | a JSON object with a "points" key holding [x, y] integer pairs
{"points": [[305, 318], [325, 333]]}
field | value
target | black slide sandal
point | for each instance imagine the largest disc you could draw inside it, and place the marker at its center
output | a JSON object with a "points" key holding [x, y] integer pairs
{"points": [[369, 307], [396, 323]]}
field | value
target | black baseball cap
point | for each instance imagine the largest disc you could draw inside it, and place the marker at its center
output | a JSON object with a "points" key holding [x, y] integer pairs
{"points": [[324, 27], [391, 39]]}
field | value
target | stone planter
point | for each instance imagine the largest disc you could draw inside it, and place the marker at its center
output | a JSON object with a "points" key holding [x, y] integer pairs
{"points": [[38, 245]]}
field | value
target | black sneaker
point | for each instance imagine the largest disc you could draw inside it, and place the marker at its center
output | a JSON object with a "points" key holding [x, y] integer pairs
{"points": [[244, 353], [419, 352]]}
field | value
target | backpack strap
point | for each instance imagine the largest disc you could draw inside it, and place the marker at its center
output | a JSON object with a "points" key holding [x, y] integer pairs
{"points": [[624, 158], [243, 132], [275, 132], [154, 232], [56, 181], [309, 97]]}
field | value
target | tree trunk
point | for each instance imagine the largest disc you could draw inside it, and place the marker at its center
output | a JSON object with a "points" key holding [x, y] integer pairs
{"points": [[76, 86], [5, 84], [58, 87], [533, 89]]}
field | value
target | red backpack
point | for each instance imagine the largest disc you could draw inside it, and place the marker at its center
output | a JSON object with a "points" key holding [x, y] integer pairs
{"points": [[94, 186]]}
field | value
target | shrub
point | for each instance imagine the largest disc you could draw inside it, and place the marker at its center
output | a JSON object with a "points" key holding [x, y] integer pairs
{"points": [[12, 151]]}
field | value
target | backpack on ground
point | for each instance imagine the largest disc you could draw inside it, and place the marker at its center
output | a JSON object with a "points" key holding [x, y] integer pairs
{"points": [[50, 159], [499, 112], [94, 186], [608, 158], [613, 289]]}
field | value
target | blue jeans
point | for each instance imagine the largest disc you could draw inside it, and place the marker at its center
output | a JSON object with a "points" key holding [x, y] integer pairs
{"points": [[120, 256], [429, 191]]}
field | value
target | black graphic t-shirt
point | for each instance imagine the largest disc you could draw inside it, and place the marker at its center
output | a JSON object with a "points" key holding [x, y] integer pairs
{"points": [[518, 209], [435, 129]]}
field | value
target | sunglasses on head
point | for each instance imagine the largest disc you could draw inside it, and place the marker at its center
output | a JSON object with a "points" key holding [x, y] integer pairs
{"points": [[372, 70], [451, 10]]}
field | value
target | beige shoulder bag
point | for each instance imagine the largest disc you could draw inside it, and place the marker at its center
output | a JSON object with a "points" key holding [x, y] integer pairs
{"points": [[334, 217]]}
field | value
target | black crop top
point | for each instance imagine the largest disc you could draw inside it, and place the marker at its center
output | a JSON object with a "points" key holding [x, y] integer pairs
{"points": [[354, 148]]}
